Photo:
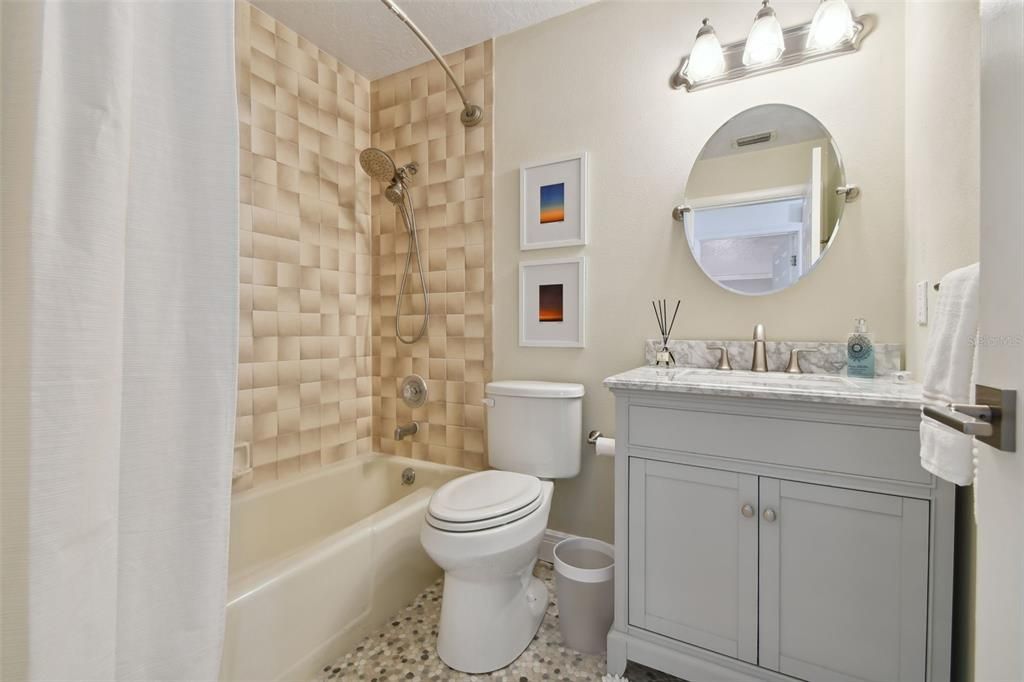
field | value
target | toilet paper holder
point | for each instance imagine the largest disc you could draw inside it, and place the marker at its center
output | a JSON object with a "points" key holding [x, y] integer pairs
{"points": [[603, 446]]}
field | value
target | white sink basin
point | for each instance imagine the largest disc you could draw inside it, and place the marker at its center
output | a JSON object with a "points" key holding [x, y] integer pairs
{"points": [[782, 380]]}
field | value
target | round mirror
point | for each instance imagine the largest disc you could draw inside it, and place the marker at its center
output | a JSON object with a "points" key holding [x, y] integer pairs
{"points": [[763, 206]]}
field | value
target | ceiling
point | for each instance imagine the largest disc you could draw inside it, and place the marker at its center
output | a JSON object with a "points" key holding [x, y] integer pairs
{"points": [[366, 36], [788, 124]]}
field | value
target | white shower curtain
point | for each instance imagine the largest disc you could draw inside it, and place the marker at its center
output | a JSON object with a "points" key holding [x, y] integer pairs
{"points": [[119, 283]]}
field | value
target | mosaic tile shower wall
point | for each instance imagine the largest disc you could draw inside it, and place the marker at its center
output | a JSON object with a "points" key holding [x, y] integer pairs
{"points": [[305, 352], [416, 118]]}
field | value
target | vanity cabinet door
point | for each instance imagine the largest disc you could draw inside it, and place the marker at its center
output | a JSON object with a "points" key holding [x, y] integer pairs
{"points": [[843, 583], [693, 555]]}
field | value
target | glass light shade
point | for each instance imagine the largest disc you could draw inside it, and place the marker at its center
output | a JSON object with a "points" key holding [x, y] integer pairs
{"points": [[706, 59], [765, 43], [832, 24]]}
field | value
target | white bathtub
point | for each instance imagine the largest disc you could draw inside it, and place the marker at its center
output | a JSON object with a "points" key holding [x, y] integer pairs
{"points": [[319, 560]]}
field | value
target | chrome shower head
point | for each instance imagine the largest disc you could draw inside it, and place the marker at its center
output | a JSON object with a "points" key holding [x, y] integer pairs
{"points": [[377, 164]]}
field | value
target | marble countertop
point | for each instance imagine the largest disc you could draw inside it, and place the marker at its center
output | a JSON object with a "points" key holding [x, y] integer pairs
{"points": [[818, 388]]}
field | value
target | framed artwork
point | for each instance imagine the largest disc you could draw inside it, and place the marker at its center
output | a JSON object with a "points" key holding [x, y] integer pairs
{"points": [[553, 203], [552, 303]]}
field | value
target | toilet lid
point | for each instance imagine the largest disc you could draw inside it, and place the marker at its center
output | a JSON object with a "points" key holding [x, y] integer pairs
{"points": [[484, 524], [484, 495]]}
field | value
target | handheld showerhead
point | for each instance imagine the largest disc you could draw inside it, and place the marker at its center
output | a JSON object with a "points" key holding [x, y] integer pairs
{"points": [[395, 192], [381, 167], [377, 164]]}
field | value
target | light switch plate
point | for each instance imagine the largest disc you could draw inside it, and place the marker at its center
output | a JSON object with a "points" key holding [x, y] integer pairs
{"points": [[921, 303]]}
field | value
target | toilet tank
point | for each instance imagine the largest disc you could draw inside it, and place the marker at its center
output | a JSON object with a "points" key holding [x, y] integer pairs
{"points": [[535, 427]]}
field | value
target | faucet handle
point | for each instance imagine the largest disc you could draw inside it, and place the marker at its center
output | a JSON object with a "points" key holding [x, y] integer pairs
{"points": [[794, 359], [758, 332], [723, 358]]}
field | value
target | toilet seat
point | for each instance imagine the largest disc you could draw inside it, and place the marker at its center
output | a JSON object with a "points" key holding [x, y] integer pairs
{"points": [[483, 500]]}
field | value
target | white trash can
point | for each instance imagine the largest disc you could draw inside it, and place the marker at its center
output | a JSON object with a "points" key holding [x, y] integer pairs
{"points": [[584, 569]]}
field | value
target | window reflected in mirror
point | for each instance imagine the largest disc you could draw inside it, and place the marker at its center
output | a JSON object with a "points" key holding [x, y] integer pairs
{"points": [[763, 201]]}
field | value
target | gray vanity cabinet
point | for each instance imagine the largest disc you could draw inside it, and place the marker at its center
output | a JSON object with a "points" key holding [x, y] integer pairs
{"points": [[687, 530], [818, 552], [843, 583]]}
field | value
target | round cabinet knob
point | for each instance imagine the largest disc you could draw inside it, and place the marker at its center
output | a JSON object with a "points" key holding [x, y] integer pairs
{"points": [[747, 510], [769, 515]]}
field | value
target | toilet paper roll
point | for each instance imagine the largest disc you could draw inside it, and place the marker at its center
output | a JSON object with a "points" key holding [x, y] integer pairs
{"points": [[605, 446]]}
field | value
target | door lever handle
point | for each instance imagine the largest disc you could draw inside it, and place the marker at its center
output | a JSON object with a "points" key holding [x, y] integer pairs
{"points": [[992, 421], [974, 420], [980, 412]]}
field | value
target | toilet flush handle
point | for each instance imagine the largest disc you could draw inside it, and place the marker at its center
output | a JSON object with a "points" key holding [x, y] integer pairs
{"points": [[487, 402]]}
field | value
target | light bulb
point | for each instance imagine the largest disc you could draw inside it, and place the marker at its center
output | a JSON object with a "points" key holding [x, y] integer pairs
{"points": [[832, 24], [765, 43], [706, 59]]}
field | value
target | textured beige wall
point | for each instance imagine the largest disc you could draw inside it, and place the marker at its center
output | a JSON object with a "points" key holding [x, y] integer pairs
{"points": [[942, 147], [753, 170], [416, 118], [305, 352], [942, 212], [596, 80]]}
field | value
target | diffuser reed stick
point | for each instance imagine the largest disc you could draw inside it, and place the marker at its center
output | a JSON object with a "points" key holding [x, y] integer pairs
{"points": [[664, 355]]}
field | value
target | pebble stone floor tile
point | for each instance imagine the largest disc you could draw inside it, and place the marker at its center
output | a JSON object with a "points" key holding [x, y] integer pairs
{"points": [[404, 650]]}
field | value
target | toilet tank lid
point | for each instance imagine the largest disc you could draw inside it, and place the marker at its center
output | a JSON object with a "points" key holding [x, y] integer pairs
{"points": [[535, 389]]}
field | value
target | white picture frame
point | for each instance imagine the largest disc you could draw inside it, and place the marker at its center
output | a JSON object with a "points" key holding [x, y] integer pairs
{"points": [[552, 303], [545, 181]]}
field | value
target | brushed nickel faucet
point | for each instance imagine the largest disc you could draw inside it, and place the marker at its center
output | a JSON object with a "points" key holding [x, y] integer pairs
{"points": [[794, 359], [404, 430], [760, 363], [723, 358]]}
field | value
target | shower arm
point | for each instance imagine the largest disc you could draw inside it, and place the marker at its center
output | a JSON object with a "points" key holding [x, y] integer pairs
{"points": [[471, 113]]}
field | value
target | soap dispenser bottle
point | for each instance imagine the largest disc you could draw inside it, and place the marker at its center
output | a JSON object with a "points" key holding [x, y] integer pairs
{"points": [[860, 351]]}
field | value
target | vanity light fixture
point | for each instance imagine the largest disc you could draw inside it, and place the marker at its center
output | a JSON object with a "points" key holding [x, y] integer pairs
{"points": [[706, 60], [834, 31], [832, 24], [765, 43]]}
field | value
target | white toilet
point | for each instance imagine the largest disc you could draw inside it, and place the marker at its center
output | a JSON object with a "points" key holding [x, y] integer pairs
{"points": [[484, 529]]}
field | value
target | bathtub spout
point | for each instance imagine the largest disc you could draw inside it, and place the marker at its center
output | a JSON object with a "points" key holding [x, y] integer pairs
{"points": [[406, 430]]}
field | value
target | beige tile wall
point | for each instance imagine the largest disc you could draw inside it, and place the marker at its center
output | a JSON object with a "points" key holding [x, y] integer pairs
{"points": [[416, 118], [306, 357]]}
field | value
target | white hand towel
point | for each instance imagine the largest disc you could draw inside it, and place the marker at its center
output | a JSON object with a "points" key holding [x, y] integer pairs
{"points": [[949, 375]]}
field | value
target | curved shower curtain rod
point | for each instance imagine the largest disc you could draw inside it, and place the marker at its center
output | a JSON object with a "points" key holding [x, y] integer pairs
{"points": [[471, 113]]}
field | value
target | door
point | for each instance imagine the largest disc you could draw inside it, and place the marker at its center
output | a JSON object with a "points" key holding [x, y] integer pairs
{"points": [[999, 488], [693, 555], [813, 209], [843, 583]]}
